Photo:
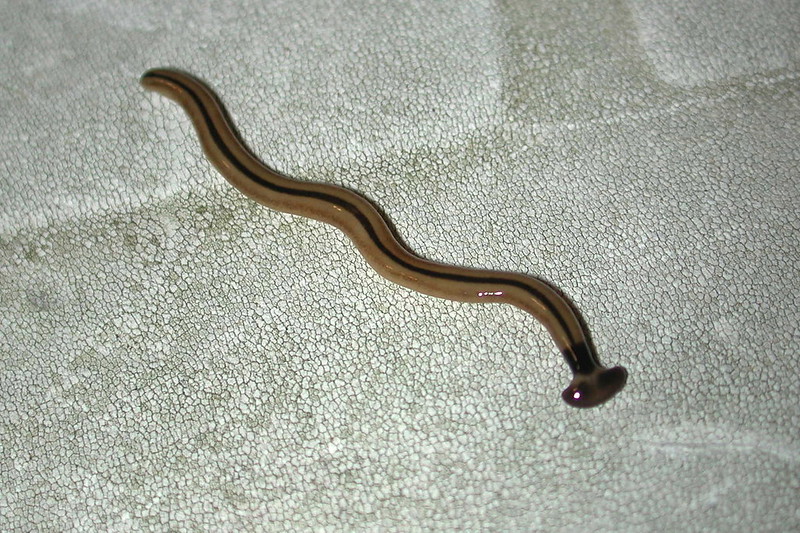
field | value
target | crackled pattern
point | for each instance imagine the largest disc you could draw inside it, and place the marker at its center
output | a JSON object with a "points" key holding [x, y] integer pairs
{"points": [[173, 357]]}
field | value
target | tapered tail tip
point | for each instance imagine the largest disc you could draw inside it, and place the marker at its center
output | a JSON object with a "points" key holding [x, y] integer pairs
{"points": [[589, 390], [149, 73], [159, 78]]}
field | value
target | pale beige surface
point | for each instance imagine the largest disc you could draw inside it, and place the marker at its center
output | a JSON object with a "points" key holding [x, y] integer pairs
{"points": [[175, 357]]}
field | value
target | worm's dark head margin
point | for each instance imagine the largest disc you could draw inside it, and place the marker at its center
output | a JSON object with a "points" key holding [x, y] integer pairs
{"points": [[589, 390]]}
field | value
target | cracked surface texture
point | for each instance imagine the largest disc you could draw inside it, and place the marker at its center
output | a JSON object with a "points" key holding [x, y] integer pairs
{"points": [[173, 356]]}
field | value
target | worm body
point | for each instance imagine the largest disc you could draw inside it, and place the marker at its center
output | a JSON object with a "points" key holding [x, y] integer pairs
{"points": [[591, 384]]}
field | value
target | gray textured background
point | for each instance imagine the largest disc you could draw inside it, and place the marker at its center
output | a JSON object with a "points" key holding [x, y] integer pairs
{"points": [[173, 355]]}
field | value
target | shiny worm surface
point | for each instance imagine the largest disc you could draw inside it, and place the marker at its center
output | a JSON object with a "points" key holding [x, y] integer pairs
{"points": [[591, 384]]}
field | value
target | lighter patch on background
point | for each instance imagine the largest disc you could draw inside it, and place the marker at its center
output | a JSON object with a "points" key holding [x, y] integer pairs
{"points": [[693, 42]]}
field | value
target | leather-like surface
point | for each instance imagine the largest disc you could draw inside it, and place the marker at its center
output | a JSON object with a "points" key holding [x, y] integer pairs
{"points": [[174, 356]]}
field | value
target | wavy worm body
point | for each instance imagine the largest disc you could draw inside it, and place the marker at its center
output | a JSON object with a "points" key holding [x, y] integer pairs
{"points": [[591, 384]]}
